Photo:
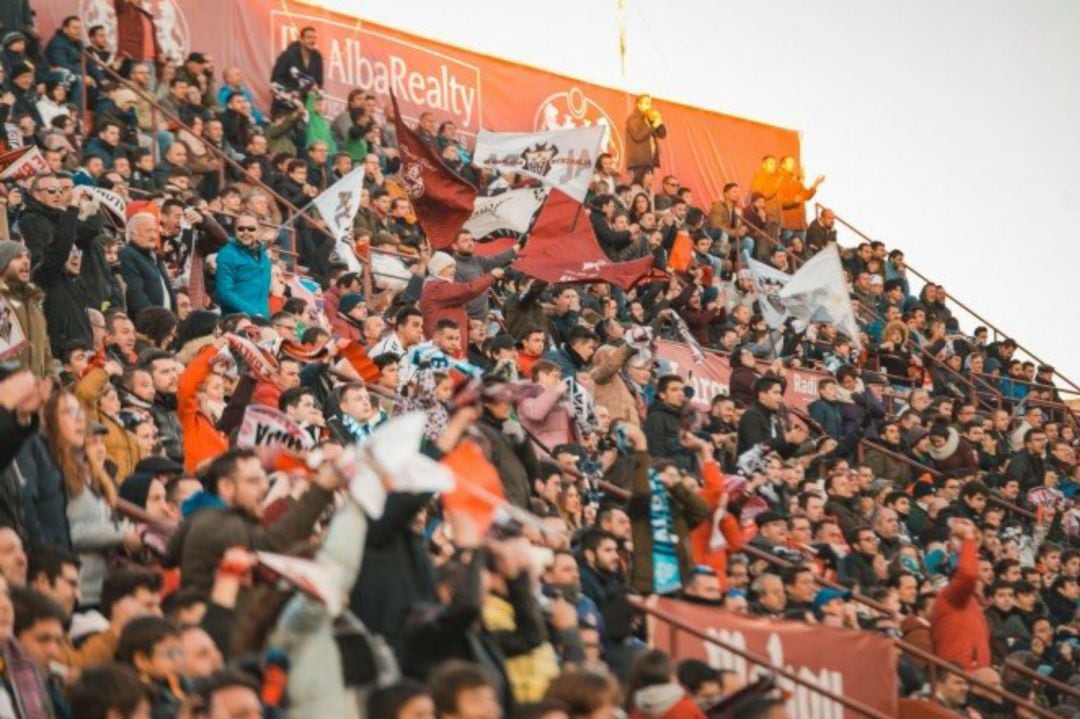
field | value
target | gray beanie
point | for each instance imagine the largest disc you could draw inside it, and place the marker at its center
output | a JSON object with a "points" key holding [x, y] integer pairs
{"points": [[9, 250]]}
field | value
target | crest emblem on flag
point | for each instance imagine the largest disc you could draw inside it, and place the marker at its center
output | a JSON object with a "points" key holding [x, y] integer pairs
{"points": [[414, 180], [538, 158]]}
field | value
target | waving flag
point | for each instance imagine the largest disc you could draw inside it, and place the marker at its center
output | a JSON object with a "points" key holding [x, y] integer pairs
{"points": [[560, 158], [442, 199], [768, 282], [563, 248], [818, 293], [338, 205], [510, 211]]}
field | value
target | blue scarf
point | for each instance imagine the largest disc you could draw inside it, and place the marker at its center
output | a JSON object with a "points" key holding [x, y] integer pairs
{"points": [[665, 556]]}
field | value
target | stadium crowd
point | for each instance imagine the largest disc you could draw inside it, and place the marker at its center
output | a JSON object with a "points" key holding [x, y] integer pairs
{"points": [[934, 475]]}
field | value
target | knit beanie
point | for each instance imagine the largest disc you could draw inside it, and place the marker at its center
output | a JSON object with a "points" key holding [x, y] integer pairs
{"points": [[9, 250]]}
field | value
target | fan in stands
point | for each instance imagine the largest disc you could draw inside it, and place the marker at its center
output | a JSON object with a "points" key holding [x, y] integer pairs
{"points": [[256, 460]]}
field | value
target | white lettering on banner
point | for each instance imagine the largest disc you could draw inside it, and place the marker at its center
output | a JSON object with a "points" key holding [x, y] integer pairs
{"points": [[806, 385], [803, 701], [359, 58]]}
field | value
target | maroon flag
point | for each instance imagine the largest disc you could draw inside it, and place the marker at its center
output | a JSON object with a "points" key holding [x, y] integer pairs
{"points": [[443, 200], [563, 248]]}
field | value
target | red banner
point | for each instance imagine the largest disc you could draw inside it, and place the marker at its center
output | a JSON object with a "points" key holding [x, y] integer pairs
{"points": [[710, 378], [855, 664], [704, 149]]}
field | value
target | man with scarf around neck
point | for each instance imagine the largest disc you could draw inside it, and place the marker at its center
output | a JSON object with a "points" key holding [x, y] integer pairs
{"points": [[359, 416], [664, 506]]}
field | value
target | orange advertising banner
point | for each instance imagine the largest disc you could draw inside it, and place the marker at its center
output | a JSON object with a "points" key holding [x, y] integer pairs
{"points": [[703, 149], [855, 664]]}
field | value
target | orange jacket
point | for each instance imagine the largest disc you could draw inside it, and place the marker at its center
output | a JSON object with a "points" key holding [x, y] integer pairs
{"points": [[202, 440], [793, 196], [701, 535], [958, 626]]}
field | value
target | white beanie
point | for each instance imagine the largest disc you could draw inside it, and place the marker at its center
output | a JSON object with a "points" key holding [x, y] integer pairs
{"points": [[439, 262]]}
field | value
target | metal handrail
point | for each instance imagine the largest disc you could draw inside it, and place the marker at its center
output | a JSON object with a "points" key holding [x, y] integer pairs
{"points": [[907, 648], [116, 77], [819, 207], [759, 660], [994, 496]]}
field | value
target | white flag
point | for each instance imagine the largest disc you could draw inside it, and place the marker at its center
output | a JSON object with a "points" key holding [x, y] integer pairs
{"points": [[111, 201], [512, 210], [338, 205], [22, 163], [317, 580], [562, 158], [768, 282], [264, 426], [818, 293]]}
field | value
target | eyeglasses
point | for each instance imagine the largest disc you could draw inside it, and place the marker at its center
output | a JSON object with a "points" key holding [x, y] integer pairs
{"points": [[247, 228]]}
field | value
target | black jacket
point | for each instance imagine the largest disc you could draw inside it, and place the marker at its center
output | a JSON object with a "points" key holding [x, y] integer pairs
{"points": [[662, 429], [291, 59], [760, 425], [396, 574], [147, 281], [39, 223], [516, 461], [66, 295]]}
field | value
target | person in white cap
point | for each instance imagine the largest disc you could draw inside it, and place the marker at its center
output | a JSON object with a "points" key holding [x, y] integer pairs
{"points": [[442, 298]]}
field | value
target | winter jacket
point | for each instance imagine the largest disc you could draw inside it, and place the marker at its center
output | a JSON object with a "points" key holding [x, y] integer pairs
{"points": [[688, 510], [44, 496], [470, 267], [292, 59], [396, 573], [25, 302], [760, 425], [243, 280], [13, 437], [886, 467], [95, 534], [442, 299], [957, 454], [163, 410], [858, 568], [66, 296], [202, 439], [663, 429], [147, 281], [121, 447], [828, 415], [958, 627], [642, 146], [613, 389], [39, 223], [204, 536], [513, 457], [545, 415]]}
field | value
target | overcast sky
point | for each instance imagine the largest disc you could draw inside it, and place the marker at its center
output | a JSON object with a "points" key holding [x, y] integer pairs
{"points": [[949, 129]]}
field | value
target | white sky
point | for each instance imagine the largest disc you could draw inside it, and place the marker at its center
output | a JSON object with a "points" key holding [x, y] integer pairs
{"points": [[948, 128]]}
